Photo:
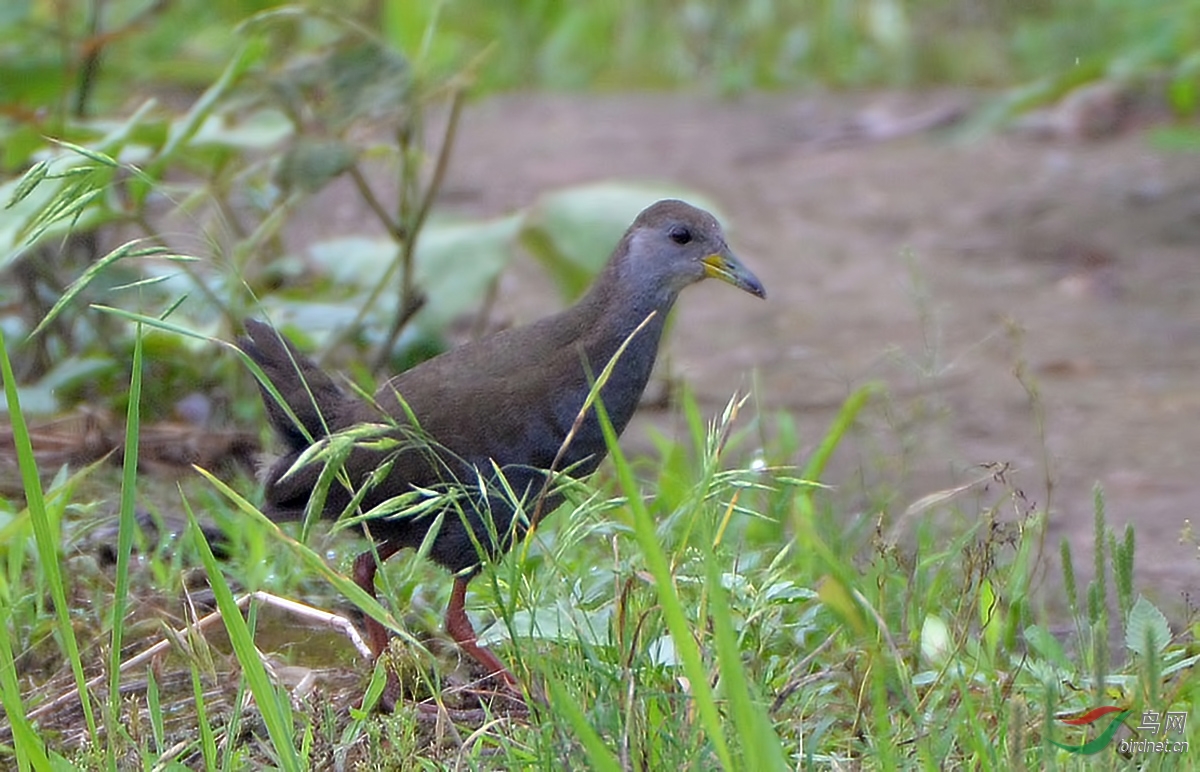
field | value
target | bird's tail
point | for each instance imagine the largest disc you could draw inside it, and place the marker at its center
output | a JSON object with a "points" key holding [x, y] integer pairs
{"points": [[311, 395]]}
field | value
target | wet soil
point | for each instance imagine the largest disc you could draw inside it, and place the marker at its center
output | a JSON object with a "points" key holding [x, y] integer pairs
{"points": [[1025, 301]]}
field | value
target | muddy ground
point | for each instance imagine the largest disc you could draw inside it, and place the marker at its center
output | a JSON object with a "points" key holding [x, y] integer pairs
{"points": [[939, 266]]}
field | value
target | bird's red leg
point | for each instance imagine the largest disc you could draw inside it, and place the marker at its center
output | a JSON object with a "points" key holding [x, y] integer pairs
{"points": [[365, 567], [463, 634]]}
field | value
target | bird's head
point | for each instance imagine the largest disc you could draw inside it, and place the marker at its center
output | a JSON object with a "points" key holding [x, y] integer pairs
{"points": [[672, 244]]}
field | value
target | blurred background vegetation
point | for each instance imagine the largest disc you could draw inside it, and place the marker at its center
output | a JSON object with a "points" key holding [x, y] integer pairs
{"points": [[135, 47]]}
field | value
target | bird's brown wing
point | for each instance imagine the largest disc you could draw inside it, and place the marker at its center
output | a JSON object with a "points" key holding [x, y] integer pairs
{"points": [[510, 401]]}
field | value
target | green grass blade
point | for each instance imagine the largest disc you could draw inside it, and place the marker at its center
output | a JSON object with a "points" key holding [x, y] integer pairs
{"points": [[672, 607], [155, 713], [272, 703], [156, 323], [43, 535], [759, 742], [845, 418], [804, 513], [125, 528], [208, 741], [182, 131], [26, 743], [175, 329], [314, 562], [599, 756], [130, 249]]}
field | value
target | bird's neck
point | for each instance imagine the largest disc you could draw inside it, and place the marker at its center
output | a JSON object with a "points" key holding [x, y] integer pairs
{"points": [[611, 313], [609, 317]]}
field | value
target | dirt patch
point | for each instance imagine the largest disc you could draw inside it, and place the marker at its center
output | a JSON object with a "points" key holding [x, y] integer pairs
{"points": [[934, 265]]}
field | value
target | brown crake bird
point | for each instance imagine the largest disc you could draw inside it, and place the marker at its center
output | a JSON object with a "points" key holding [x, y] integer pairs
{"points": [[509, 399]]}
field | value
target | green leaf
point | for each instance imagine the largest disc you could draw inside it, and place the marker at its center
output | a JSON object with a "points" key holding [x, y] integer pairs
{"points": [[367, 80], [567, 624], [1045, 645], [659, 567], [260, 130], [1146, 630], [126, 527], [354, 261], [310, 164], [182, 131], [456, 263], [937, 644], [42, 397], [349, 80], [838, 598], [27, 746], [759, 743], [405, 24], [13, 12], [661, 651]]}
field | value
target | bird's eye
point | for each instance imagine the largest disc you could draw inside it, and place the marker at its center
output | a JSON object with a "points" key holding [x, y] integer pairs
{"points": [[681, 235]]}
